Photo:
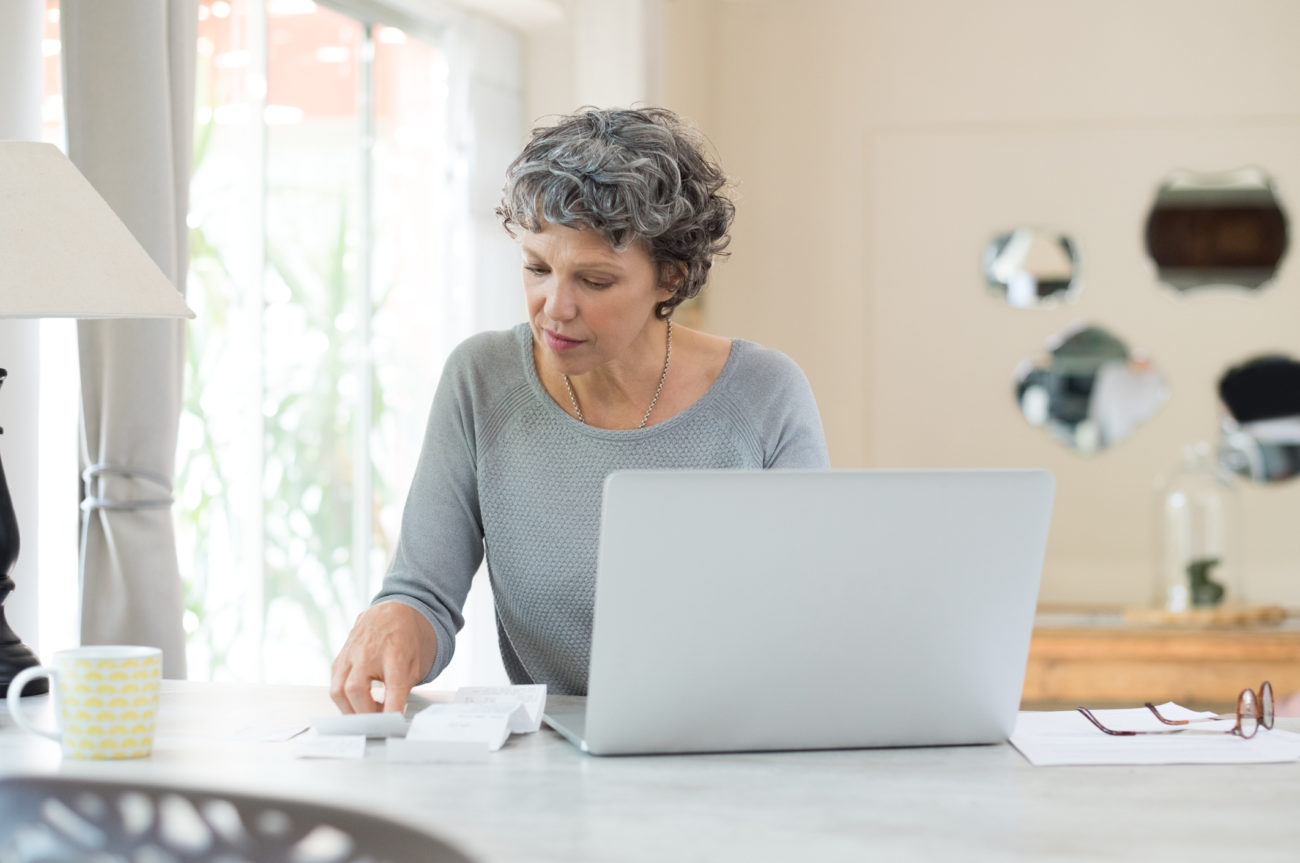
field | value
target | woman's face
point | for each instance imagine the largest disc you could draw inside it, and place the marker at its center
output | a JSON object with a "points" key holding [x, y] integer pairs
{"points": [[589, 305]]}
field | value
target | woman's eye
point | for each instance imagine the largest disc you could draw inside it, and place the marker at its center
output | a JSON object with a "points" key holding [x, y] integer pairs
{"points": [[536, 271], [597, 285]]}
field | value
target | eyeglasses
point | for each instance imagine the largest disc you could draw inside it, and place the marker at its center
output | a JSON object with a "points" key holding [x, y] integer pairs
{"points": [[1254, 710]]}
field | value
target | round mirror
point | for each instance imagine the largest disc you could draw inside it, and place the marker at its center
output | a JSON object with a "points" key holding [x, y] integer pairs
{"points": [[1089, 391], [1221, 229], [1031, 267], [1259, 434]]}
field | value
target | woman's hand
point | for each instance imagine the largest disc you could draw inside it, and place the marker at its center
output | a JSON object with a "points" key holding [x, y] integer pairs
{"points": [[390, 642]]}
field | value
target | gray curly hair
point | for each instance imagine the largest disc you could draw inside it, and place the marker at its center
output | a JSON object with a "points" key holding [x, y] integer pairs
{"points": [[628, 174]]}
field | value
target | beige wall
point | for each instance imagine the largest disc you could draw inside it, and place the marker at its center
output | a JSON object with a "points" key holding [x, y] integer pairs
{"points": [[879, 144]]}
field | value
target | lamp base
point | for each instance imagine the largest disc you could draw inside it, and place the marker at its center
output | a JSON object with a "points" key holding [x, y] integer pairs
{"points": [[14, 657]]}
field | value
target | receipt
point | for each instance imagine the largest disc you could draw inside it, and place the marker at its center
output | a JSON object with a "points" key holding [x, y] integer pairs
{"points": [[313, 745], [390, 724], [268, 733], [488, 724], [478, 720], [530, 700], [419, 751]]}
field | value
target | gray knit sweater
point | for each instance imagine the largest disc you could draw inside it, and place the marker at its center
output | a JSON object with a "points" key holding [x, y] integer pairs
{"points": [[506, 469]]}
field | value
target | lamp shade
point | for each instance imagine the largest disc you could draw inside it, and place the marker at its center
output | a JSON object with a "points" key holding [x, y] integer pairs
{"points": [[64, 253], [46, 208]]}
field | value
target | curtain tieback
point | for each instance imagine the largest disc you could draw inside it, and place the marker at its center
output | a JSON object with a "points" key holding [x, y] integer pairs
{"points": [[97, 471]]}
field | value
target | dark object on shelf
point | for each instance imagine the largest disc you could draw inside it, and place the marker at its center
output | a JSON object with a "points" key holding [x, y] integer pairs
{"points": [[1205, 591]]}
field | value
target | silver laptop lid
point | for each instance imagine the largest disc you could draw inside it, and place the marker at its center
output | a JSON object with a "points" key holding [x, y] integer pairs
{"points": [[750, 610]]}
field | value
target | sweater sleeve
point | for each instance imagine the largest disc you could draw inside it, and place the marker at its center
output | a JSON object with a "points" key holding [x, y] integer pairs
{"points": [[440, 545], [785, 411]]}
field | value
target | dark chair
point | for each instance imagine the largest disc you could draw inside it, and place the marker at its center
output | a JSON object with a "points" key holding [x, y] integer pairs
{"points": [[52, 819]]}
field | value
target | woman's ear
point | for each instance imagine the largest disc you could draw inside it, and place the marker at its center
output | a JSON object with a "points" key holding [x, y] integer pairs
{"points": [[672, 275]]}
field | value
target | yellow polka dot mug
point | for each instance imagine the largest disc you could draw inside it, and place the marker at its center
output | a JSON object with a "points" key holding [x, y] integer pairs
{"points": [[105, 699]]}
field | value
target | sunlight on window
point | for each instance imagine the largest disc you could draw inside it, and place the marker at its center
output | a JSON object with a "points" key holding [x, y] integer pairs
{"points": [[58, 519], [328, 217], [319, 248]]}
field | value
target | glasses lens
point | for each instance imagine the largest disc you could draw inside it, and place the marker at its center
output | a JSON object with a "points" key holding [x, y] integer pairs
{"points": [[1266, 705], [1247, 713]]}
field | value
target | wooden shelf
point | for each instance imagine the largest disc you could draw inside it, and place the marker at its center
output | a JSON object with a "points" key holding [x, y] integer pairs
{"points": [[1099, 660]]}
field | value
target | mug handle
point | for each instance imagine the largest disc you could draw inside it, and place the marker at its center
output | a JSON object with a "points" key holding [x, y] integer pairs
{"points": [[15, 701]]}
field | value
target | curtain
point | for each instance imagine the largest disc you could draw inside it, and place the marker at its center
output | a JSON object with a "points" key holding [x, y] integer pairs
{"points": [[128, 83]]}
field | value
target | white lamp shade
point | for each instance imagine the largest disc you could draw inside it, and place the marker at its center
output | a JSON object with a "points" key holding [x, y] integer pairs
{"points": [[64, 252]]}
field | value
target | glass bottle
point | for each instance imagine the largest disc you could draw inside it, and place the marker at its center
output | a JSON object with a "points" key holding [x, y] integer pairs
{"points": [[1200, 550]]}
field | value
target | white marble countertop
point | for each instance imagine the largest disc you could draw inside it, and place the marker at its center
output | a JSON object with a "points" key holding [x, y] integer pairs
{"points": [[539, 799]]}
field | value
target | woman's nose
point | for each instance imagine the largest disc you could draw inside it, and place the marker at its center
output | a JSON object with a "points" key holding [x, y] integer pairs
{"points": [[560, 305]]}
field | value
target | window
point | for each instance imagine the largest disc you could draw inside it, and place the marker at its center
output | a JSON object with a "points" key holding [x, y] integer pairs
{"points": [[341, 244], [58, 517], [332, 243]]}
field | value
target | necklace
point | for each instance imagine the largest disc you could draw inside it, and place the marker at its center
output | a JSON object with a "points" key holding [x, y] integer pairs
{"points": [[663, 376]]}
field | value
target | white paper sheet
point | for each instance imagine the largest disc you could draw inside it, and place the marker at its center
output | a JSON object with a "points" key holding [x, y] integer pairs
{"points": [[389, 724], [313, 745], [1059, 738], [488, 724], [531, 700], [268, 733], [418, 751], [478, 720]]}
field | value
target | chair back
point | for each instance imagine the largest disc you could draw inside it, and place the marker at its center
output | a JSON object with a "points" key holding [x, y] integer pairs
{"points": [[52, 819]]}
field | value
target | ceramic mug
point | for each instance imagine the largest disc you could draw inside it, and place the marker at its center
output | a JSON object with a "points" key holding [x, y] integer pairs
{"points": [[105, 698]]}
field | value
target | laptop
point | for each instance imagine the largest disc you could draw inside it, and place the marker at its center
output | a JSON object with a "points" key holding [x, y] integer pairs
{"points": [[768, 610]]}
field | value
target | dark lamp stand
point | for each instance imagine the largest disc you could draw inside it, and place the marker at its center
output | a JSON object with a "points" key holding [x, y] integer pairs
{"points": [[14, 655]]}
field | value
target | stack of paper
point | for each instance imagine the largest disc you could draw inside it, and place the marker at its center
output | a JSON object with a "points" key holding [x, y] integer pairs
{"points": [[344, 735], [1057, 738], [477, 721]]}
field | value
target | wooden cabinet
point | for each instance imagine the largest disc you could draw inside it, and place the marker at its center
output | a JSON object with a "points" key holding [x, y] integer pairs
{"points": [[1096, 660]]}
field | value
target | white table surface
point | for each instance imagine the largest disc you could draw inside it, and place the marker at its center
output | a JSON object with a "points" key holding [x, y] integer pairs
{"points": [[539, 799]]}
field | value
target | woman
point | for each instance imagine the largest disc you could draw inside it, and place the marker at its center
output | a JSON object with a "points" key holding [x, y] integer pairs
{"points": [[618, 214]]}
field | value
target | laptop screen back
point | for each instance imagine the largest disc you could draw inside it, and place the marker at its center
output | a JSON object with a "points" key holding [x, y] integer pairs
{"points": [[750, 610]]}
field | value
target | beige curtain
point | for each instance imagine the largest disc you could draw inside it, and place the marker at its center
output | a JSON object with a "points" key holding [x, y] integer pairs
{"points": [[128, 83]]}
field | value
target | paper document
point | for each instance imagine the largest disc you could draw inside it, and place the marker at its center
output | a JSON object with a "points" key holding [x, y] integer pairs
{"points": [[313, 745], [389, 724], [268, 733], [447, 751], [488, 724], [530, 700], [1066, 737], [477, 721]]}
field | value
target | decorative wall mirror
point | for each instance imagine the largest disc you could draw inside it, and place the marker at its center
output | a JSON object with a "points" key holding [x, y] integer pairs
{"points": [[1259, 434], [1032, 267], [1089, 390], [1216, 229]]}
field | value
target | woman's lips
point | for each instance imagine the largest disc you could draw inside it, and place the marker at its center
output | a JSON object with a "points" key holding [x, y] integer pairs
{"points": [[557, 342]]}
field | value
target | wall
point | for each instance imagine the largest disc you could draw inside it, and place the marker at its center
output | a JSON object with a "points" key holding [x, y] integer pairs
{"points": [[879, 144]]}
